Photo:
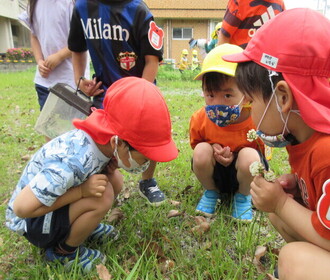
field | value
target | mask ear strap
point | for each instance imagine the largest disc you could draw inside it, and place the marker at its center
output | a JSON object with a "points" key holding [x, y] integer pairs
{"points": [[239, 103], [271, 73], [285, 124], [264, 113]]}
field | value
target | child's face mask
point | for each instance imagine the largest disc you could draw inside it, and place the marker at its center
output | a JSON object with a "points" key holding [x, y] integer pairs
{"points": [[223, 115], [134, 166], [278, 141]]}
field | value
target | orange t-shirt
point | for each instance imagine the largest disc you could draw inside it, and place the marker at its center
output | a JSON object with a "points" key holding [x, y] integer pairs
{"points": [[202, 129], [244, 17], [310, 164]]}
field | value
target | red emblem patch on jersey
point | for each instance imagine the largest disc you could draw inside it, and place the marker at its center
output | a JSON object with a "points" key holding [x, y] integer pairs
{"points": [[155, 36], [127, 60], [323, 206]]}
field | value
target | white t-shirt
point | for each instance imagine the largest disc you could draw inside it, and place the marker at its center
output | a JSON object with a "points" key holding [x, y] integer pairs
{"points": [[51, 25]]}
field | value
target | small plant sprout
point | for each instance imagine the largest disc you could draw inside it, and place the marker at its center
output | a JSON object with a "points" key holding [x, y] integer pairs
{"points": [[257, 168]]}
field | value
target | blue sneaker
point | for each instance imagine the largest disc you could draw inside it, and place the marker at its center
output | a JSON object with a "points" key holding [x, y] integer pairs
{"points": [[242, 207], [149, 190], [103, 233], [208, 203], [84, 257]]}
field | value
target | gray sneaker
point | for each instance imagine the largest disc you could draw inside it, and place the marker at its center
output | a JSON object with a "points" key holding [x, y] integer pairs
{"points": [[150, 191]]}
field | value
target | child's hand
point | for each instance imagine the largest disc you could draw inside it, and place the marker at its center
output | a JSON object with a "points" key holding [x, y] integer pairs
{"points": [[94, 186], [43, 69], [289, 185], [53, 61], [90, 87], [267, 196], [222, 155], [112, 166]]}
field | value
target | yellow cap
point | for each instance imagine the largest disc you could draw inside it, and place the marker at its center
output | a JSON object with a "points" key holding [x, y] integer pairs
{"points": [[184, 51], [213, 62], [214, 34], [194, 52]]}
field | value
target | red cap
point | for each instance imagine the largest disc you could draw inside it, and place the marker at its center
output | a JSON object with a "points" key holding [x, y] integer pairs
{"points": [[296, 43], [135, 110]]}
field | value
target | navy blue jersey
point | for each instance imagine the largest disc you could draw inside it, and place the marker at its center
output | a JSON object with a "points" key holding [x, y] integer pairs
{"points": [[118, 34]]}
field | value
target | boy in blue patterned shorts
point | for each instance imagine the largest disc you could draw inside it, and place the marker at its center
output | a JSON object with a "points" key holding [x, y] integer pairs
{"points": [[70, 183]]}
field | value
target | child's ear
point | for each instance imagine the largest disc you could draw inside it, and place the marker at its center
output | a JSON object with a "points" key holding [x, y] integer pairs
{"points": [[113, 142], [284, 96]]}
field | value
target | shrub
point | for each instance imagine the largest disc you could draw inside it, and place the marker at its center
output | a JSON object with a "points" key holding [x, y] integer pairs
{"points": [[19, 54]]}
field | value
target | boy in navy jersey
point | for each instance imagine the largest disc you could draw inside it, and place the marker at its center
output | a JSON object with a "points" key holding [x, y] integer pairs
{"points": [[123, 40]]}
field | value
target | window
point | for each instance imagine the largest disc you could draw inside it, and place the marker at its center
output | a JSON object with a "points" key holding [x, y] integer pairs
{"points": [[15, 30], [182, 33]]}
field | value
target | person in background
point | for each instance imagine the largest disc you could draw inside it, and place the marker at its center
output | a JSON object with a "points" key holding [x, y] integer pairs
{"points": [[285, 72], [123, 40], [49, 35], [218, 135], [204, 45], [244, 17], [183, 61], [69, 184], [194, 60]]}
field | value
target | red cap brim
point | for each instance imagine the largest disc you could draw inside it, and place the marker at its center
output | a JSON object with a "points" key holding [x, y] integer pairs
{"points": [[162, 153]]}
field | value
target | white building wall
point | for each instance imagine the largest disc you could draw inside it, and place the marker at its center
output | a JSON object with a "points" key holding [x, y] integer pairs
{"points": [[9, 11], [9, 8]]}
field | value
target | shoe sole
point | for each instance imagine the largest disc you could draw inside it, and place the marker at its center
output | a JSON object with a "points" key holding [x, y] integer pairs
{"points": [[205, 214], [245, 221], [151, 203]]}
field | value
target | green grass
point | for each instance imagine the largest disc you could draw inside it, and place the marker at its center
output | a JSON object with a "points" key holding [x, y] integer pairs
{"points": [[225, 252]]}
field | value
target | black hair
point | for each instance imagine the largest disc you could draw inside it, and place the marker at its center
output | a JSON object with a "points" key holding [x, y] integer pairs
{"points": [[130, 148], [213, 81], [32, 6], [253, 79]]}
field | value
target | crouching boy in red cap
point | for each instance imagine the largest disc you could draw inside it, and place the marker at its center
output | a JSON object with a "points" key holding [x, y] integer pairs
{"points": [[285, 71], [62, 195]]}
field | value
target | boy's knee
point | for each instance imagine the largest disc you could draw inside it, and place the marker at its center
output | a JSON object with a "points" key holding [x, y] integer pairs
{"points": [[203, 154], [245, 158], [105, 202], [290, 261]]}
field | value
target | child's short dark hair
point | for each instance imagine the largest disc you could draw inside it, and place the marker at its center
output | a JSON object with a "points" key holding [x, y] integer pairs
{"points": [[130, 148], [252, 78], [212, 81]]}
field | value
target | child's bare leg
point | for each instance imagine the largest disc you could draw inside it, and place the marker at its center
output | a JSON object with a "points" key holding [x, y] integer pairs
{"points": [[245, 157], [86, 214], [242, 204], [303, 260], [203, 165]]}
